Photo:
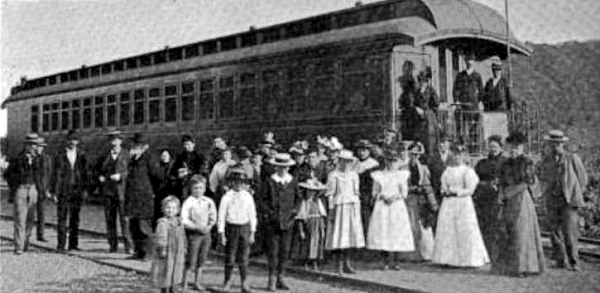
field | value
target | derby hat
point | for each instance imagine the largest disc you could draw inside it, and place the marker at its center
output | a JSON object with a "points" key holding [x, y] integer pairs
{"points": [[138, 139], [187, 137], [556, 136], [72, 136], [282, 160], [114, 134], [312, 184], [346, 155]]}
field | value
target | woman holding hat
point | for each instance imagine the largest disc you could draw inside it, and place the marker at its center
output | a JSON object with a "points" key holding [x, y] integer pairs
{"points": [[345, 231], [458, 241], [389, 227], [520, 250]]}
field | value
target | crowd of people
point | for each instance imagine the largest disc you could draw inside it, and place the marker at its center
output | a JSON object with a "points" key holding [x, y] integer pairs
{"points": [[309, 203]]}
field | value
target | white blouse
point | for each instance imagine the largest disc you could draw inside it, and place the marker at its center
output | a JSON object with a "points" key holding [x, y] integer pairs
{"points": [[461, 180], [342, 188]]}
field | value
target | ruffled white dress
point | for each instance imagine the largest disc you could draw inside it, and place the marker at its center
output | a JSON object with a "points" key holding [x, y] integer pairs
{"points": [[389, 227], [458, 240]]}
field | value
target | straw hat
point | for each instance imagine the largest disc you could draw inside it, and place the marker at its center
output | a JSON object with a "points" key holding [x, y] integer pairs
{"points": [[556, 135], [346, 155], [312, 184], [283, 160]]}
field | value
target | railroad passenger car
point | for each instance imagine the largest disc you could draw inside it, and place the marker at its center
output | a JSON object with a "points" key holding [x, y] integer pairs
{"points": [[337, 73]]}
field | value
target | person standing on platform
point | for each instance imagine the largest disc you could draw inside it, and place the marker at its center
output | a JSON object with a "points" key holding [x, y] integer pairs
{"points": [[389, 228], [486, 194], [565, 178], [280, 203], [44, 162], [190, 158], [467, 93], [458, 241], [21, 176], [425, 105], [364, 166], [520, 251], [71, 185], [112, 170], [139, 199], [345, 231], [496, 95]]}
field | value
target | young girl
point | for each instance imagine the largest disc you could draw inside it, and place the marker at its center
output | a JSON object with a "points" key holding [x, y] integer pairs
{"points": [[168, 259], [345, 231], [458, 240], [311, 220]]}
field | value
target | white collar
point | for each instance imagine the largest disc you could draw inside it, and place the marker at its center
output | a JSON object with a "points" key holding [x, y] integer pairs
{"points": [[287, 178]]}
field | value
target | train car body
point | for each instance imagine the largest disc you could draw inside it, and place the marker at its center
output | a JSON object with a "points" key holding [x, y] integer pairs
{"points": [[339, 74]]}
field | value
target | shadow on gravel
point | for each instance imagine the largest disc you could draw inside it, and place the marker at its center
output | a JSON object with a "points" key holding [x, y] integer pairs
{"points": [[128, 283]]}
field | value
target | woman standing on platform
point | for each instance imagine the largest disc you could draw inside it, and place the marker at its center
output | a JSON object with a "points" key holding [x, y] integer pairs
{"points": [[520, 250], [458, 240], [345, 230], [389, 227]]}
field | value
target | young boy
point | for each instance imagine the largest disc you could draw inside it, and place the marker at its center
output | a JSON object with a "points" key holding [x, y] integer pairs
{"points": [[198, 215], [236, 226]]}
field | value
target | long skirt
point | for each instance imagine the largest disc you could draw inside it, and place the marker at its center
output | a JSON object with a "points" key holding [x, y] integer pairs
{"points": [[519, 242], [485, 199], [389, 228], [312, 246], [414, 213], [458, 240], [345, 229]]}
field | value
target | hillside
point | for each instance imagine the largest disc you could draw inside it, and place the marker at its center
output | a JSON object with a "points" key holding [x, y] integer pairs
{"points": [[564, 82]]}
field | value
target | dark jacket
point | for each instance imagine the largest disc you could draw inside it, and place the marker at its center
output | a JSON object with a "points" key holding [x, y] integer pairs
{"points": [[44, 162], [436, 167], [139, 202], [566, 177], [280, 203], [66, 177], [468, 88], [162, 179], [194, 161], [497, 98], [20, 172], [106, 167]]}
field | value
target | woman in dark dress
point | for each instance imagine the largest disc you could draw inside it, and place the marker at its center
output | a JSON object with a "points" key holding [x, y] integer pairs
{"points": [[162, 182], [520, 250], [425, 105]]}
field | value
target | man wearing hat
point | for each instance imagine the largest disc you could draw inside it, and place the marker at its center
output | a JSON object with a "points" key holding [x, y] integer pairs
{"points": [[467, 93], [44, 162], [22, 175], [565, 178], [112, 170], [426, 103], [71, 185], [496, 95], [280, 202]]}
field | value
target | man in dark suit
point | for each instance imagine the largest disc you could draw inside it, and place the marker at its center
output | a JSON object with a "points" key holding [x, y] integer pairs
{"points": [[496, 96], [71, 183], [112, 169], [44, 162], [565, 178], [467, 93], [190, 158], [280, 204]]}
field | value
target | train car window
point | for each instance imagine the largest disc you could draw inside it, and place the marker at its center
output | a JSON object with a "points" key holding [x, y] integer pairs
{"points": [[225, 82], [95, 71], [99, 112], [111, 110], [228, 44], [87, 112], [154, 92], [171, 109], [125, 109], [106, 68], [139, 97], [145, 60], [83, 73], [271, 35], [46, 118], [207, 99], [75, 115], [443, 78], [175, 54], [73, 75], [271, 93], [131, 63], [191, 51], [247, 103], [171, 90], [35, 113], [296, 88], [226, 97], [52, 80], [160, 57], [118, 66], [209, 47], [249, 39], [55, 121], [63, 77], [187, 101], [154, 111], [65, 115]]}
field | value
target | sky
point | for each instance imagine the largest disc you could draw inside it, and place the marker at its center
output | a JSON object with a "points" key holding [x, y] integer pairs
{"points": [[44, 37]]}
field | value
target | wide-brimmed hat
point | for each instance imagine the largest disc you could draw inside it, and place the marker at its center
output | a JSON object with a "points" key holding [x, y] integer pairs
{"points": [[32, 138], [114, 134], [312, 184], [283, 160], [364, 144], [41, 141], [346, 155], [335, 144], [556, 135], [416, 148]]}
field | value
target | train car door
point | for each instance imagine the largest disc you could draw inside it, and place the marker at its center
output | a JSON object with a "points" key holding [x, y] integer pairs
{"points": [[406, 66]]}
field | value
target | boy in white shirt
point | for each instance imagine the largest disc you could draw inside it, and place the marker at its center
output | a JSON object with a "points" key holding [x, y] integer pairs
{"points": [[237, 226], [198, 215]]}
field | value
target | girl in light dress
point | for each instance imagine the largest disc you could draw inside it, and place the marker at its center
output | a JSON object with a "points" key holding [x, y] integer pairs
{"points": [[389, 227], [458, 240]]}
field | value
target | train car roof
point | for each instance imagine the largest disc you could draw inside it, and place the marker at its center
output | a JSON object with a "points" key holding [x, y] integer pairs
{"points": [[418, 22]]}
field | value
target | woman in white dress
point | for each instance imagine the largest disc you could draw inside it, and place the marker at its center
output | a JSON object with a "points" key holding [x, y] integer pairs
{"points": [[345, 230], [389, 228], [458, 240]]}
